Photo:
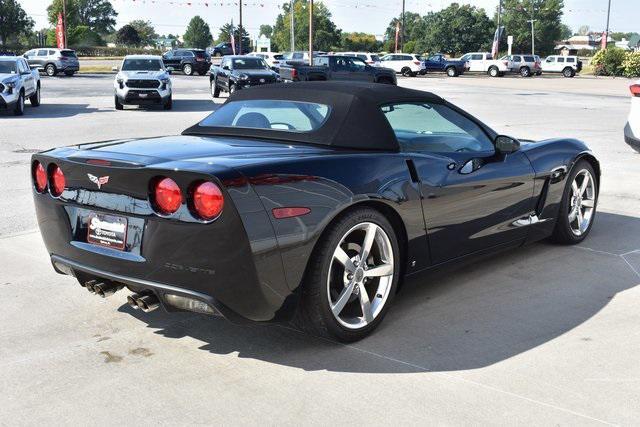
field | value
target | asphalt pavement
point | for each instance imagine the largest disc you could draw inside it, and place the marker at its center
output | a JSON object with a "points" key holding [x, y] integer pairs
{"points": [[544, 335]]}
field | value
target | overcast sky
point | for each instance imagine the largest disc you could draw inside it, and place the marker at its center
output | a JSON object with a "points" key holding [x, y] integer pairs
{"points": [[371, 16]]}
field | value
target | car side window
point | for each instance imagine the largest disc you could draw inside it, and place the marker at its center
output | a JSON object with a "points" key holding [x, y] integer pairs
{"points": [[22, 67], [189, 54], [435, 128], [560, 59], [52, 52], [321, 61], [30, 53], [517, 59], [476, 57], [551, 59], [358, 64], [571, 60], [42, 52], [465, 57]]}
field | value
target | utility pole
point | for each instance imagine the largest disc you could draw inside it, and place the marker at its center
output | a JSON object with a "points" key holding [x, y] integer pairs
{"points": [[293, 42], [606, 33], [64, 23], [310, 4], [240, 31], [533, 39], [402, 31]]}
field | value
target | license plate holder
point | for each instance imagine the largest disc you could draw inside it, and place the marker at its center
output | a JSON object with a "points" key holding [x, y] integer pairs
{"points": [[107, 230]]}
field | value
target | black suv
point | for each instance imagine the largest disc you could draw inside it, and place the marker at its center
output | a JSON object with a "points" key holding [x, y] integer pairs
{"points": [[188, 61], [240, 72], [224, 49]]}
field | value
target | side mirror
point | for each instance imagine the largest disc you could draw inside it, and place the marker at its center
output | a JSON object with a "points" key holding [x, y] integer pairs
{"points": [[506, 144], [115, 69]]}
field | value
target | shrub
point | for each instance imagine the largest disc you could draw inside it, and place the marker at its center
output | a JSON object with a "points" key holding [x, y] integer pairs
{"points": [[631, 65], [608, 62]]}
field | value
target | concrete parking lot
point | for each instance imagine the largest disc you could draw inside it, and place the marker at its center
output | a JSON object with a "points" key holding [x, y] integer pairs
{"points": [[545, 335]]}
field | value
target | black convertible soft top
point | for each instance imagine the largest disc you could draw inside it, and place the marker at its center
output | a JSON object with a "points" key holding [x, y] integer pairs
{"points": [[355, 121]]}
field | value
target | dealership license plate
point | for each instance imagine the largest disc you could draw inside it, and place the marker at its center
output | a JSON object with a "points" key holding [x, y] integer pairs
{"points": [[107, 230]]}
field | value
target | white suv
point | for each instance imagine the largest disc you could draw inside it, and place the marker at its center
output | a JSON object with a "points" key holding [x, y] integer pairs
{"points": [[408, 65], [567, 65], [142, 79], [632, 129]]}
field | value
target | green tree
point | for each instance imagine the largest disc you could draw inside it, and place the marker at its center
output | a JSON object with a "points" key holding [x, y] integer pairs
{"points": [[267, 30], [565, 32], [414, 29], [198, 33], [360, 42], [145, 30], [457, 29], [14, 21], [548, 25], [620, 35], [225, 35], [98, 15], [127, 36], [326, 35], [84, 36]]}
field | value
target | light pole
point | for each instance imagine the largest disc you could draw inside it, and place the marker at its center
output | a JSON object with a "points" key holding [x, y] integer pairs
{"points": [[606, 33], [310, 32], [402, 30], [293, 43], [240, 31], [533, 39]]}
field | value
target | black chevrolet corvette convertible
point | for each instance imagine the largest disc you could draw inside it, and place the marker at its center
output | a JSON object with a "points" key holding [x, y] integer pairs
{"points": [[305, 203]]}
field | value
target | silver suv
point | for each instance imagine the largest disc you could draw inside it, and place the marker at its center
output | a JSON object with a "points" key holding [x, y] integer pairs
{"points": [[525, 65], [142, 79], [53, 61]]}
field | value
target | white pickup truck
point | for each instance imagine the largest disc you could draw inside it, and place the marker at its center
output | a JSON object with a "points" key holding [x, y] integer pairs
{"points": [[483, 62], [17, 83]]}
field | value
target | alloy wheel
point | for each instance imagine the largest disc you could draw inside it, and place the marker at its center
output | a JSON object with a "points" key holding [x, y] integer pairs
{"points": [[360, 276], [187, 70], [583, 200]]}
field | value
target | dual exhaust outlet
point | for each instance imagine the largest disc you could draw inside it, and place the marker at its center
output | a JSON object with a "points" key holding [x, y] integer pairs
{"points": [[145, 301]]}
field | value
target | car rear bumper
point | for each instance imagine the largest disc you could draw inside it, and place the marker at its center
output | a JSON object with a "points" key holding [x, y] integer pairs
{"points": [[630, 138]]}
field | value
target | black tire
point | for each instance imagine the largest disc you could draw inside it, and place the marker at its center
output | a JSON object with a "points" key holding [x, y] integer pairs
{"points": [[493, 71], [314, 314], [568, 72], [187, 69], [406, 72], [35, 98], [50, 70], [118, 104], [525, 71], [562, 232], [168, 104], [539, 73], [69, 73], [18, 109], [215, 90], [452, 72]]}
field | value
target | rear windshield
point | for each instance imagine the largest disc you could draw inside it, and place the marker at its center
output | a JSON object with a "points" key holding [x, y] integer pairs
{"points": [[8, 67], [142, 65], [289, 116], [249, 63], [68, 53]]}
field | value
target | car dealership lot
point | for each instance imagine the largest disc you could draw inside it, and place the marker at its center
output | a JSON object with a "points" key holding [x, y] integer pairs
{"points": [[547, 334]]}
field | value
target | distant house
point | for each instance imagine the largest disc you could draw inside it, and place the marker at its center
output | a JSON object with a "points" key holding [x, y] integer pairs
{"points": [[574, 44], [165, 43], [633, 43]]}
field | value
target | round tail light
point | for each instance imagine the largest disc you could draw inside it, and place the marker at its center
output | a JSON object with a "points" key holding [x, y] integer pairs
{"points": [[39, 177], [57, 181], [207, 200], [167, 196]]}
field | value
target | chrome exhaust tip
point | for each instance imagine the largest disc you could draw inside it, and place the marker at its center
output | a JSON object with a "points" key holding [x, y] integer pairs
{"points": [[132, 301], [106, 289], [148, 303]]}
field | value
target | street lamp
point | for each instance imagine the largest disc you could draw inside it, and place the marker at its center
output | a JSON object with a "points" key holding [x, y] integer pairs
{"points": [[533, 39]]}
